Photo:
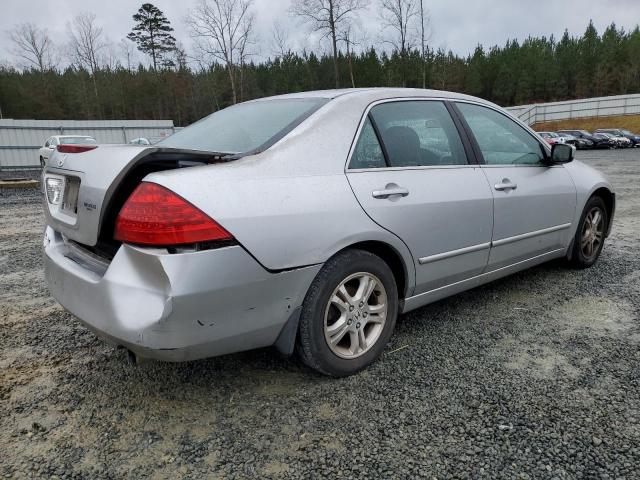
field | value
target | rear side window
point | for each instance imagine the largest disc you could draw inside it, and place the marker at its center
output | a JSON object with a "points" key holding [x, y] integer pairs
{"points": [[418, 133], [246, 127], [502, 141], [368, 152]]}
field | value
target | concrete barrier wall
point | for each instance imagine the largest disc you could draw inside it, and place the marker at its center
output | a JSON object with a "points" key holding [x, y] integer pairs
{"points": [[586, 108], [21, 139]]}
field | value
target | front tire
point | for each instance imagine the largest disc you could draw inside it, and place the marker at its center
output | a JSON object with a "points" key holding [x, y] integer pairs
{"points": [[348, 314], [590, 235]]}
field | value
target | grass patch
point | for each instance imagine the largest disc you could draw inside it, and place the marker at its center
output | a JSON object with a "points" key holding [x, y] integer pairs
{"points": [[627, 122]]}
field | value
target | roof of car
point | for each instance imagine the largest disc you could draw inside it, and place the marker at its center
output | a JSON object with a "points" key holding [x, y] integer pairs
{"points": [[378, 92]]}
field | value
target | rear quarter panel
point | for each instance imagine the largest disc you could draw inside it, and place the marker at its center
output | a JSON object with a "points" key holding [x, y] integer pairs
{"points": [[291, 205]]}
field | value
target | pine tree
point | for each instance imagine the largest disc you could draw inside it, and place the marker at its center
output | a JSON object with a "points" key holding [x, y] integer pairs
{"points": [[152, 34]]}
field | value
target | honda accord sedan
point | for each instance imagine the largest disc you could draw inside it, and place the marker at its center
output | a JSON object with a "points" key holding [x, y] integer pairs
{"points": [[309, 222]]}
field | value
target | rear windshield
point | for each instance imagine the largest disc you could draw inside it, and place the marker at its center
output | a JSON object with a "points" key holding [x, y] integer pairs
{"points": [[246, 127], [76, 140]]}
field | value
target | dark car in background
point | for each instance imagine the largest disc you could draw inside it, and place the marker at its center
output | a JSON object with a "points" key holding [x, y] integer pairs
{"points": [[618, 132], [615, 142], [596, 142], [579, 143]]}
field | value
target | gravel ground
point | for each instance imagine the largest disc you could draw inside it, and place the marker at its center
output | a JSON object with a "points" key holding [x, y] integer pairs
{"points": [[533, 376], [30, 174]]}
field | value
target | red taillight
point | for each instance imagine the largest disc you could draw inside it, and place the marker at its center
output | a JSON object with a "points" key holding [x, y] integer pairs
{"points": [[154, 215], [75, 148]]}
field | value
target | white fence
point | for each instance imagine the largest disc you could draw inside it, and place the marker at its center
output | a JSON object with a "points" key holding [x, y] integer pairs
{"points": [[21, 139], [590, 107]]}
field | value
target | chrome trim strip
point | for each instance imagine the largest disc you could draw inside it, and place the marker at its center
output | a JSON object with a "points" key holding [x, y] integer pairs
{"points": [[524, 236], [495, 243], [454, 253]]}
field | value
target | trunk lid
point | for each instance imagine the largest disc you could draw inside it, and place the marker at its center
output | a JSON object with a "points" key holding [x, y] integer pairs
{"points": [[93, 182]]}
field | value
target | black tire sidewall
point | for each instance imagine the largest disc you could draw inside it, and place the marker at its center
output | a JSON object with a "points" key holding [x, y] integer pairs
{"points": [[578, 257], [315, 351]]}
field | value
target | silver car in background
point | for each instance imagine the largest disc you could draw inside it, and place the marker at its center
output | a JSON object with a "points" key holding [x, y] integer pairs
{"points": [[309, 221]]}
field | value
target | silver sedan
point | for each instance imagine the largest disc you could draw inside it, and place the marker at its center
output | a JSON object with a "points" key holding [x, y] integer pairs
{"points": [[309, 221]]}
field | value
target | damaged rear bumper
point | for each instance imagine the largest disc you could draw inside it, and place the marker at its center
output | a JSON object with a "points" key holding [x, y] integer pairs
{"points": [[176, 307]]}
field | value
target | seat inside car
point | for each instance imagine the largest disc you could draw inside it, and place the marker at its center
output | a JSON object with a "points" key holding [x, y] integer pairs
{"points": [[403, 146]]}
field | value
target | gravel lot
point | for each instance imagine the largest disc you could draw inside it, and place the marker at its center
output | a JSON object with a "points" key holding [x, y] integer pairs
{"points": [[533, 376]]}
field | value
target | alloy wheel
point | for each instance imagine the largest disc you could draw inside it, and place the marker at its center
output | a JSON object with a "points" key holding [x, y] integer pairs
{"points": [[355, 315], [592, 233]]}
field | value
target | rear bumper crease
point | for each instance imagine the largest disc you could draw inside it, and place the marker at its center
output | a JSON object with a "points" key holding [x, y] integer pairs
{"points": [[177, 307]]}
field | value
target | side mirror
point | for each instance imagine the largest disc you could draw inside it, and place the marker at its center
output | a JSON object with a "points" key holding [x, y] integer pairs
{"points": [[562, 153]]}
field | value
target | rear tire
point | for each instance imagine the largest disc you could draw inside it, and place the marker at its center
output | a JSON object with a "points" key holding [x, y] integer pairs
{"points": [[590, 234], [348, 314]]}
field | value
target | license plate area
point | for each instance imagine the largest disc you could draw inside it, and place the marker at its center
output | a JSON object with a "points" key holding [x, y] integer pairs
{"points": [[63, 207], [70, 198]]}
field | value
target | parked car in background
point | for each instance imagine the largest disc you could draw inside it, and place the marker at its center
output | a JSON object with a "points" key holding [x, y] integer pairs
{"points": [[52, 142], [551, 137], [619, 142], [579, 143], [309, 221], [620, 133], [596, 142]]}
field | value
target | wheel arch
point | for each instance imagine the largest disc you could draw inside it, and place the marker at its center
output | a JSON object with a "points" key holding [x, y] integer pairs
{"points": [[402, 272], [609, 199], [391, 257]]}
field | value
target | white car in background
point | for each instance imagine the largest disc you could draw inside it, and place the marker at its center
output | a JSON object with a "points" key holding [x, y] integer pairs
{"points": [[52, 143]]}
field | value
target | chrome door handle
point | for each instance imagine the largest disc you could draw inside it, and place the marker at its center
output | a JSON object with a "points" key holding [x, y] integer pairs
{"points": [[387, 192], [506, 185]]}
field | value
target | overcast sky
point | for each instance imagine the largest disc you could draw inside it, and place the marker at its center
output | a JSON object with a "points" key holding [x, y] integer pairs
{"points": [[458, 25]]}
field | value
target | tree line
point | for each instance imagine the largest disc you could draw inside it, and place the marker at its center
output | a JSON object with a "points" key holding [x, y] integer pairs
{"points": [[220, 68]]}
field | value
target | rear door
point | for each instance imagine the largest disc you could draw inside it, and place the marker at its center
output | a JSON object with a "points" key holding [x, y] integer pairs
{"points": [[411, 173], [534, 203]]}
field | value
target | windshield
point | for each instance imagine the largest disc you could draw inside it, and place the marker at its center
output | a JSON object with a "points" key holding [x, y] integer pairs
{"points": [[76, 140], [245, 127]]}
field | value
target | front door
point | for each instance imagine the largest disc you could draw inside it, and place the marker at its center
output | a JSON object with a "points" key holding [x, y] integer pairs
{"points": [[534, 204], [410, 173]]}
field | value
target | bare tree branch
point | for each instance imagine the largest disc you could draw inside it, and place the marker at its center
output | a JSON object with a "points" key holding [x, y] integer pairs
{"points": [[222, 31], [280, 43], [399, 16], [328, 17], [33, 46], [86, 44], [425, 22], [86, 41]]}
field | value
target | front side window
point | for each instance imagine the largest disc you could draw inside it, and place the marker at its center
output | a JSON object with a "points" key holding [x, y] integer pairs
{"points": [[418, 133], [368, 152], [246, 127], [502, 141]]}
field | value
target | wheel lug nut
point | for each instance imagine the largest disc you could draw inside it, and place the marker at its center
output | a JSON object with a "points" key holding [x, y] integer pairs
{"points": [[361, 304], [351, 308], [349, 322], [357, 325], [365, 314]]}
